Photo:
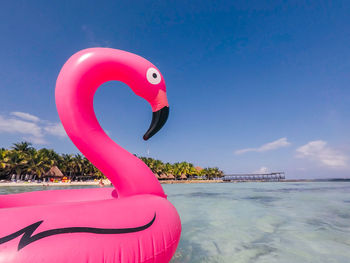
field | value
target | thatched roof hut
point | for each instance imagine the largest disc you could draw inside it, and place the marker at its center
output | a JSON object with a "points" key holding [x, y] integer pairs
{"points": [[156, 175], [183, 177], [171, 177], [54, 172], [162, 177], [198, 168]]}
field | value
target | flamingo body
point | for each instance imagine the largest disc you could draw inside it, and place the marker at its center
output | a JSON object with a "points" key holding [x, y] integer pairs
{"points": [[132, 222]]}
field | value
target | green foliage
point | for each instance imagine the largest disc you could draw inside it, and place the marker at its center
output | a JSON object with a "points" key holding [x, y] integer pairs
{"points": [[23, 159], [181, 168], [211, 173]]}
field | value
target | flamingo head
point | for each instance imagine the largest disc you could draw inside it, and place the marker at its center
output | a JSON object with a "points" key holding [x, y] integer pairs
{"points": [[149, 84], [86, 70]]}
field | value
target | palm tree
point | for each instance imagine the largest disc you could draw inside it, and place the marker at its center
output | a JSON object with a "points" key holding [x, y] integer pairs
{"points": [[211, 173], [25, 147], [66, 165], [3, 163], [88, 167], [168, 169], [154, 165], [158, 167], [15, 163], [78, 164], [38, 164], [184, 168], [24, 159], [52, 155]]}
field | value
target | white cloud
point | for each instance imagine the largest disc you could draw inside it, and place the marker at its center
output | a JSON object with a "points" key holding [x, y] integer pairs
{"points": [[55, 129], [262, 170], [31, 127], [25, 116], [283, 142], [318, 151], [35, 140], [11, 125]]}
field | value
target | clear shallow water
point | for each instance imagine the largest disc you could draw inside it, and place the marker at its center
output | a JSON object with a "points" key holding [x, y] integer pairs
{"points": [[258, 222]]}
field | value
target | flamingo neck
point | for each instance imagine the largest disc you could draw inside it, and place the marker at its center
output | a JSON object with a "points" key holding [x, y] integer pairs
{"points": [[75, 88]]}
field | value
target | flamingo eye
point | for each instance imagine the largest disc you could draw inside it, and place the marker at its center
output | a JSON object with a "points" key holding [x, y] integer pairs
{"points": [[153, 76]]}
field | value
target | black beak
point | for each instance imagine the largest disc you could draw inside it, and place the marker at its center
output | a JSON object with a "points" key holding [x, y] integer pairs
{"points": [[158, 120]]}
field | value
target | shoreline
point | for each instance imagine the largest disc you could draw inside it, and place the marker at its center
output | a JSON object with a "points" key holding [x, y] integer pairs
{"points": [[96, 183], [47, 184], [108, 183], [190, 181]]}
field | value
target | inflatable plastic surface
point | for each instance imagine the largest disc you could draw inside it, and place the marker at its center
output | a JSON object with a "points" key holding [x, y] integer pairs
{"points": [[133, 222]]}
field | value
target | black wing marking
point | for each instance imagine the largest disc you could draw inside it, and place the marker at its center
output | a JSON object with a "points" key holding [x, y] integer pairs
{"points": [[27, 232]]}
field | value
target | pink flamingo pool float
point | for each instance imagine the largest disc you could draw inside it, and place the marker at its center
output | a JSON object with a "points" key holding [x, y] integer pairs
{"points": [[133, 222]]}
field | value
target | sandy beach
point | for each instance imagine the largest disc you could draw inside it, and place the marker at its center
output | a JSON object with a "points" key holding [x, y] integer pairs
{"points": [[190, 181], [106, 183], [48, 184]]}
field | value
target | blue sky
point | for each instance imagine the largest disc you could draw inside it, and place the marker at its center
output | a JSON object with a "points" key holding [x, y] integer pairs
{"points": [[252, 85]]}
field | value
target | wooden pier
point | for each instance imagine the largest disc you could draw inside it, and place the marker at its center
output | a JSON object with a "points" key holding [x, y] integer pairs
{"points": [[266, 177]]}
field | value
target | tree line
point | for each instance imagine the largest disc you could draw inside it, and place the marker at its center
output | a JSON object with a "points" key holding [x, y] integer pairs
{"points": [[23, 159]]}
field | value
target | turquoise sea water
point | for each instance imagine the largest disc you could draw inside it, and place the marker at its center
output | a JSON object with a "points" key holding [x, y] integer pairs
{"points": [[259, 222]]}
